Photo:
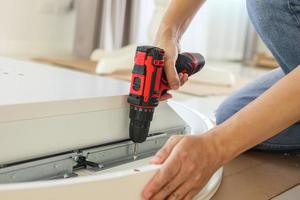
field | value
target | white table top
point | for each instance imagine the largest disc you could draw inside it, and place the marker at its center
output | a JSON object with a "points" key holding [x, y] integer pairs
{"points": [[26, 82]]}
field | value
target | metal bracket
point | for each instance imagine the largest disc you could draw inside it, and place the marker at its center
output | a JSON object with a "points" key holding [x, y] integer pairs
{"points": [[94, 158], [116, 154], [42, 169]]}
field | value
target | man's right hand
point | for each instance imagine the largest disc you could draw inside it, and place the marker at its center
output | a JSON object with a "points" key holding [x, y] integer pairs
{"points": [[171, 47]]}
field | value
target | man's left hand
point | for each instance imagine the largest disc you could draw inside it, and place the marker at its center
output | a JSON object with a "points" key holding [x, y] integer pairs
{"points": [[188, 162]]}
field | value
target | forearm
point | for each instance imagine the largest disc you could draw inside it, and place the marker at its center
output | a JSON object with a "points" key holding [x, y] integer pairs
{"points": [[272, 112], [178, 16]]}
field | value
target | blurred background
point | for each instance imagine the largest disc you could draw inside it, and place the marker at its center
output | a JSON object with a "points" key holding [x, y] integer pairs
{"points": [[33, 28], [100, 37]]}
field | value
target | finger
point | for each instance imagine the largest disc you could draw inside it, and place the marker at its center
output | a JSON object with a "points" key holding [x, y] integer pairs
{"points": [[180, 75], [171, 186], [165, 151], [185, 77], [191, 194], [166, 173], [171, 73], [165, 97], [182, 191]]}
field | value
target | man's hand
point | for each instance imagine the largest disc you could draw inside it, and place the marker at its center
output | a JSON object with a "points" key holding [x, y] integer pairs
{"points": [[187, 164], [171, 47], [175, 21], [183, 77]]}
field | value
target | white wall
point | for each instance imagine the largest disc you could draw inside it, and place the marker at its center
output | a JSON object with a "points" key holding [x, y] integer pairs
{"points": [[36, 27]]}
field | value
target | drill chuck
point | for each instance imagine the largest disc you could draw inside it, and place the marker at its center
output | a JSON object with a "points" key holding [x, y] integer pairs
{"points": [[140, 119]]}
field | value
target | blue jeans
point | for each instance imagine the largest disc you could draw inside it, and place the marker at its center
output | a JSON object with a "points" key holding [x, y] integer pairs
{"points": [[278, 24]]}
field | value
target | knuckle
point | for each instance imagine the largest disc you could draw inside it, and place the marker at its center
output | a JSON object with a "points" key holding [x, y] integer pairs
{"points": [[168, 172], [184, 155], [174, 196], [191, 168], [155, 187], [158, 197], [166, 189], [161, 153], [188, 197], [189, 138], [198, 178], [174, 137]]}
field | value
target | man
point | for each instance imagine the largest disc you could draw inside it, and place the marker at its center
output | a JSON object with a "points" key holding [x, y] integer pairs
{"points": [[264, 114]]}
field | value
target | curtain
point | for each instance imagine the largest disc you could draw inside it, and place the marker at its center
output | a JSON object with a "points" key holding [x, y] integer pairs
{"points": [[219, 30], [106, 24]]}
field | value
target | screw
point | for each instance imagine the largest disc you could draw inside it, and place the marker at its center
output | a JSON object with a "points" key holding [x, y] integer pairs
{"points": [[66, 176], [101, 166], [76, 158]]}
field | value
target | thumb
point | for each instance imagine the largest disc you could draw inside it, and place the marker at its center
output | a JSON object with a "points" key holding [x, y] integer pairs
{"points": [[166, 150], [171, 72]]}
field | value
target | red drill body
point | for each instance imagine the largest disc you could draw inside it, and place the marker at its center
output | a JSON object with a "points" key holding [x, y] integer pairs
{"points": [[149, 83]]}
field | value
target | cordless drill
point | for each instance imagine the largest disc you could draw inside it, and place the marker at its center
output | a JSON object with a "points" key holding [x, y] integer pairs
{"points": [[149, 83]]}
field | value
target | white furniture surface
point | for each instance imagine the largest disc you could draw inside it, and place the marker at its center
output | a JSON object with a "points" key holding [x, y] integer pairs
{"points": [[28, 82], [122, 182]]}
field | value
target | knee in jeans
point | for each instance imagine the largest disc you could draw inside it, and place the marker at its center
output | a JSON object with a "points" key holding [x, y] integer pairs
{"points": [[260, 12]]}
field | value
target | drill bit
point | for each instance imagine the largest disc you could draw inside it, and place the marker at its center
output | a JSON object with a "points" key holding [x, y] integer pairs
{"points": [[135, 151]]}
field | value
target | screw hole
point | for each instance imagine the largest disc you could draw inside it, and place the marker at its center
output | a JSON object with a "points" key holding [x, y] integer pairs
{"points": [[136, 170]]}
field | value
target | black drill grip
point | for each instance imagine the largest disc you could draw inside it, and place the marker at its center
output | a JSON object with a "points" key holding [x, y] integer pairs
{"points": [[189, 63]]}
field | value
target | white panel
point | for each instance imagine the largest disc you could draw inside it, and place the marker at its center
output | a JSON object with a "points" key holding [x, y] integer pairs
{"points": [[114, 184], [35, 137]]}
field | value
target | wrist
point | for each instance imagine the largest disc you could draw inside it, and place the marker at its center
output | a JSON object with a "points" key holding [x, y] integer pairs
{"points": [[226, 147], [221, 147], [212, 148], [167, 33]]}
